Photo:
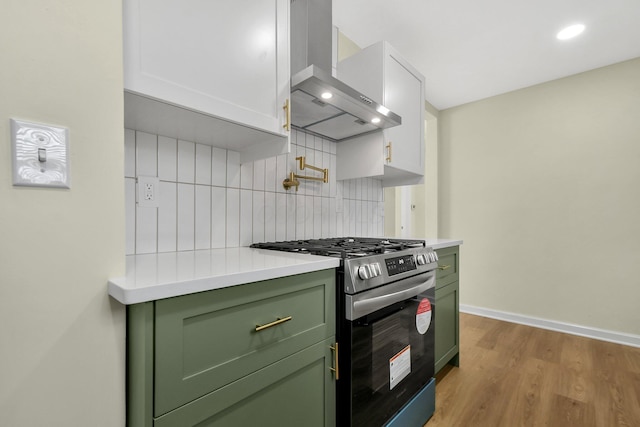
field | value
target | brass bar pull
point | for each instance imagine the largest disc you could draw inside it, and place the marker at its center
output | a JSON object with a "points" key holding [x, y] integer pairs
{"points": [[274, 323], [389, 152], [443, 267], [287, 112], [335, 361]]}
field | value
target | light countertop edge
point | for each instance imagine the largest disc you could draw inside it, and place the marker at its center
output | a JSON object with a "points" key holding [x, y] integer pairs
{"points": [[157, 276], [442, 243]]}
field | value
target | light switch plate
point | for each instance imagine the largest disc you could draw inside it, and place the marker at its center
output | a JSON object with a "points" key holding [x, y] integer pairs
{"points": [[40, 154]]}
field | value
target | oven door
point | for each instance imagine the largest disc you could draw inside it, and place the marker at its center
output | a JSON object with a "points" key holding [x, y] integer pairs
{"points": [[391, 337]]}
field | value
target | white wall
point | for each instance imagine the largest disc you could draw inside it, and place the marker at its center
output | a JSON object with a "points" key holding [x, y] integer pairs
{"points": [[208, 200], [543, 186], [61, 337]]}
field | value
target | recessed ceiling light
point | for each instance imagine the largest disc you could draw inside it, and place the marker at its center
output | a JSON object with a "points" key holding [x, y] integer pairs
{"points": [[326, 95], [570, 32], [375, 120]]}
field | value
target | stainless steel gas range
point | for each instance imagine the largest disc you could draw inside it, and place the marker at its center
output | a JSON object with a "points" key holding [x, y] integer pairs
{"points": [[385, 328]]}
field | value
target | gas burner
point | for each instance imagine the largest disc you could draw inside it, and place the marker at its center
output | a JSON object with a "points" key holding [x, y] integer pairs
{"points": [[343, 247]]}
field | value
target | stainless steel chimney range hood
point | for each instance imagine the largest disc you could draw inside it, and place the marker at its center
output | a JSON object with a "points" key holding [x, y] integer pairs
{"points": [[320, 103]]}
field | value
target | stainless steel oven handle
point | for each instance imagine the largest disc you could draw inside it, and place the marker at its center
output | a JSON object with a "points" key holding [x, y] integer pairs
{"points": [[367, 302]]}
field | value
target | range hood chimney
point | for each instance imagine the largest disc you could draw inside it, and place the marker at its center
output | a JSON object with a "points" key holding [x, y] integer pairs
{"points": [[320, 103]]}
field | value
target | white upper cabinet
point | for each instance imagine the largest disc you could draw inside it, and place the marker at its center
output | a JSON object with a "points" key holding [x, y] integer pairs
{"points": [[213, 72], [396, 155]]}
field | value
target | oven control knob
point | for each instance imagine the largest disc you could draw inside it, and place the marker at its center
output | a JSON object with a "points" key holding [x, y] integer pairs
{"points": [[421, 259], [364, 272], [375, 269]]}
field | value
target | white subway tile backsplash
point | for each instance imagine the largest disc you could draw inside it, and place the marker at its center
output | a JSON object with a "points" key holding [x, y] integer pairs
{"points": [[246, 217], [203, 216], [130, 215], [233, 169], [218, 217], [186, 162], [209, 200], [218, 166], [333, 218], [167, 159], [280, 217], [325, 217], [282, 171], [258, 175], [270, 174], [258, 217], [308, 217], [167, 217], [203, 164], [301, 202], [269, 204], [233, 218], [186, 217], [317, 219], [146, 154], [291, 216], [326, 164], [246, 176], [146, 230], [129, 153]]}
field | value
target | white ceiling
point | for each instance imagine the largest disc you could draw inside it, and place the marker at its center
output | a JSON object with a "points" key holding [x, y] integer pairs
{"points": [[473, 49]]}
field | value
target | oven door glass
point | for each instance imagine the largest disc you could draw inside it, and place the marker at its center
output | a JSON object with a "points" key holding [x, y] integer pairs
{"points": [[392, 358]]}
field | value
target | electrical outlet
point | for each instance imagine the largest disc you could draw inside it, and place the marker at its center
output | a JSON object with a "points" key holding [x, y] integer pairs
{"points": [[148, 193]]}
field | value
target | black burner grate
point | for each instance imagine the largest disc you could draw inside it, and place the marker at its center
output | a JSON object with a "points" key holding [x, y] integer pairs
{"points": [[344, 247]]}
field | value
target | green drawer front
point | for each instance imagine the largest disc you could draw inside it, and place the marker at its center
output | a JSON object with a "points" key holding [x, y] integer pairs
{"points": [[296, 391], [448, 266], [207, 340]]}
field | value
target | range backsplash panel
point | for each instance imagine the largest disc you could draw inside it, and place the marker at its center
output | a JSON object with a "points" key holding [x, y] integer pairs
{"points": [[207, 199]]}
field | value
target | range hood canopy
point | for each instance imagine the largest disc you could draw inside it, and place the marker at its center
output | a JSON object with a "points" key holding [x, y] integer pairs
{"points": [[320, 103]]}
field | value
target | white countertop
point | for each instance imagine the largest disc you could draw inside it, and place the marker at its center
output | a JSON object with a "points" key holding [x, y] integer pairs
{"points": [[151, 277], [164, 275], [441, 243]]}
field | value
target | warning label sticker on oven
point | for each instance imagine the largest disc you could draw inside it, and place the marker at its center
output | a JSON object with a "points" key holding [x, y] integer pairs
{"points": [[399, 366], [423, 316]]}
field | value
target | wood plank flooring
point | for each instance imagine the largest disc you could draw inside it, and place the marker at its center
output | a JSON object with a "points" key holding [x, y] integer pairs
{"points": [[514, 375]]}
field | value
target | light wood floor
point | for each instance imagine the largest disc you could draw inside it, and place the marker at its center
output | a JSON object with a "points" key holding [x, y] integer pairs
{"points": [[514, 375]]}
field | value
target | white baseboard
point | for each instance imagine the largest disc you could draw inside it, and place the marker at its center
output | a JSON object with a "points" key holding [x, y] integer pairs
{"points": [[598, 334]]}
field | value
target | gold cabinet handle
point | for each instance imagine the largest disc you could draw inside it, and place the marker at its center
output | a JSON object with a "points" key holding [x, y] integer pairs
{"points": [[274, 323], [443, 267], [335, 361], [287, 112], [389, 152]]}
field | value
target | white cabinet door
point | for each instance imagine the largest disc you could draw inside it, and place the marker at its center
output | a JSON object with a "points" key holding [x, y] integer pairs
{"points": [[224, 59], [395, 155], [403, 94]]}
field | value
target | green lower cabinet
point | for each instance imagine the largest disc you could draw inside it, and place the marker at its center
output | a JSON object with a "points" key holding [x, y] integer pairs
{"points": [[296, 391], [253, 354], [447, 308]]}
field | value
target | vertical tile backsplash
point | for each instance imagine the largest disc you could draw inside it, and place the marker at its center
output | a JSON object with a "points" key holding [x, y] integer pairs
{"points": [[209, 200]]}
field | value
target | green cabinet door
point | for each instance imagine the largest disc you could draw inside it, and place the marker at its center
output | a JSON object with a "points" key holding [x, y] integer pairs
{"points": [[447, 325], [298, 390], [447, 308], [204, 359], [207, 340]]}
